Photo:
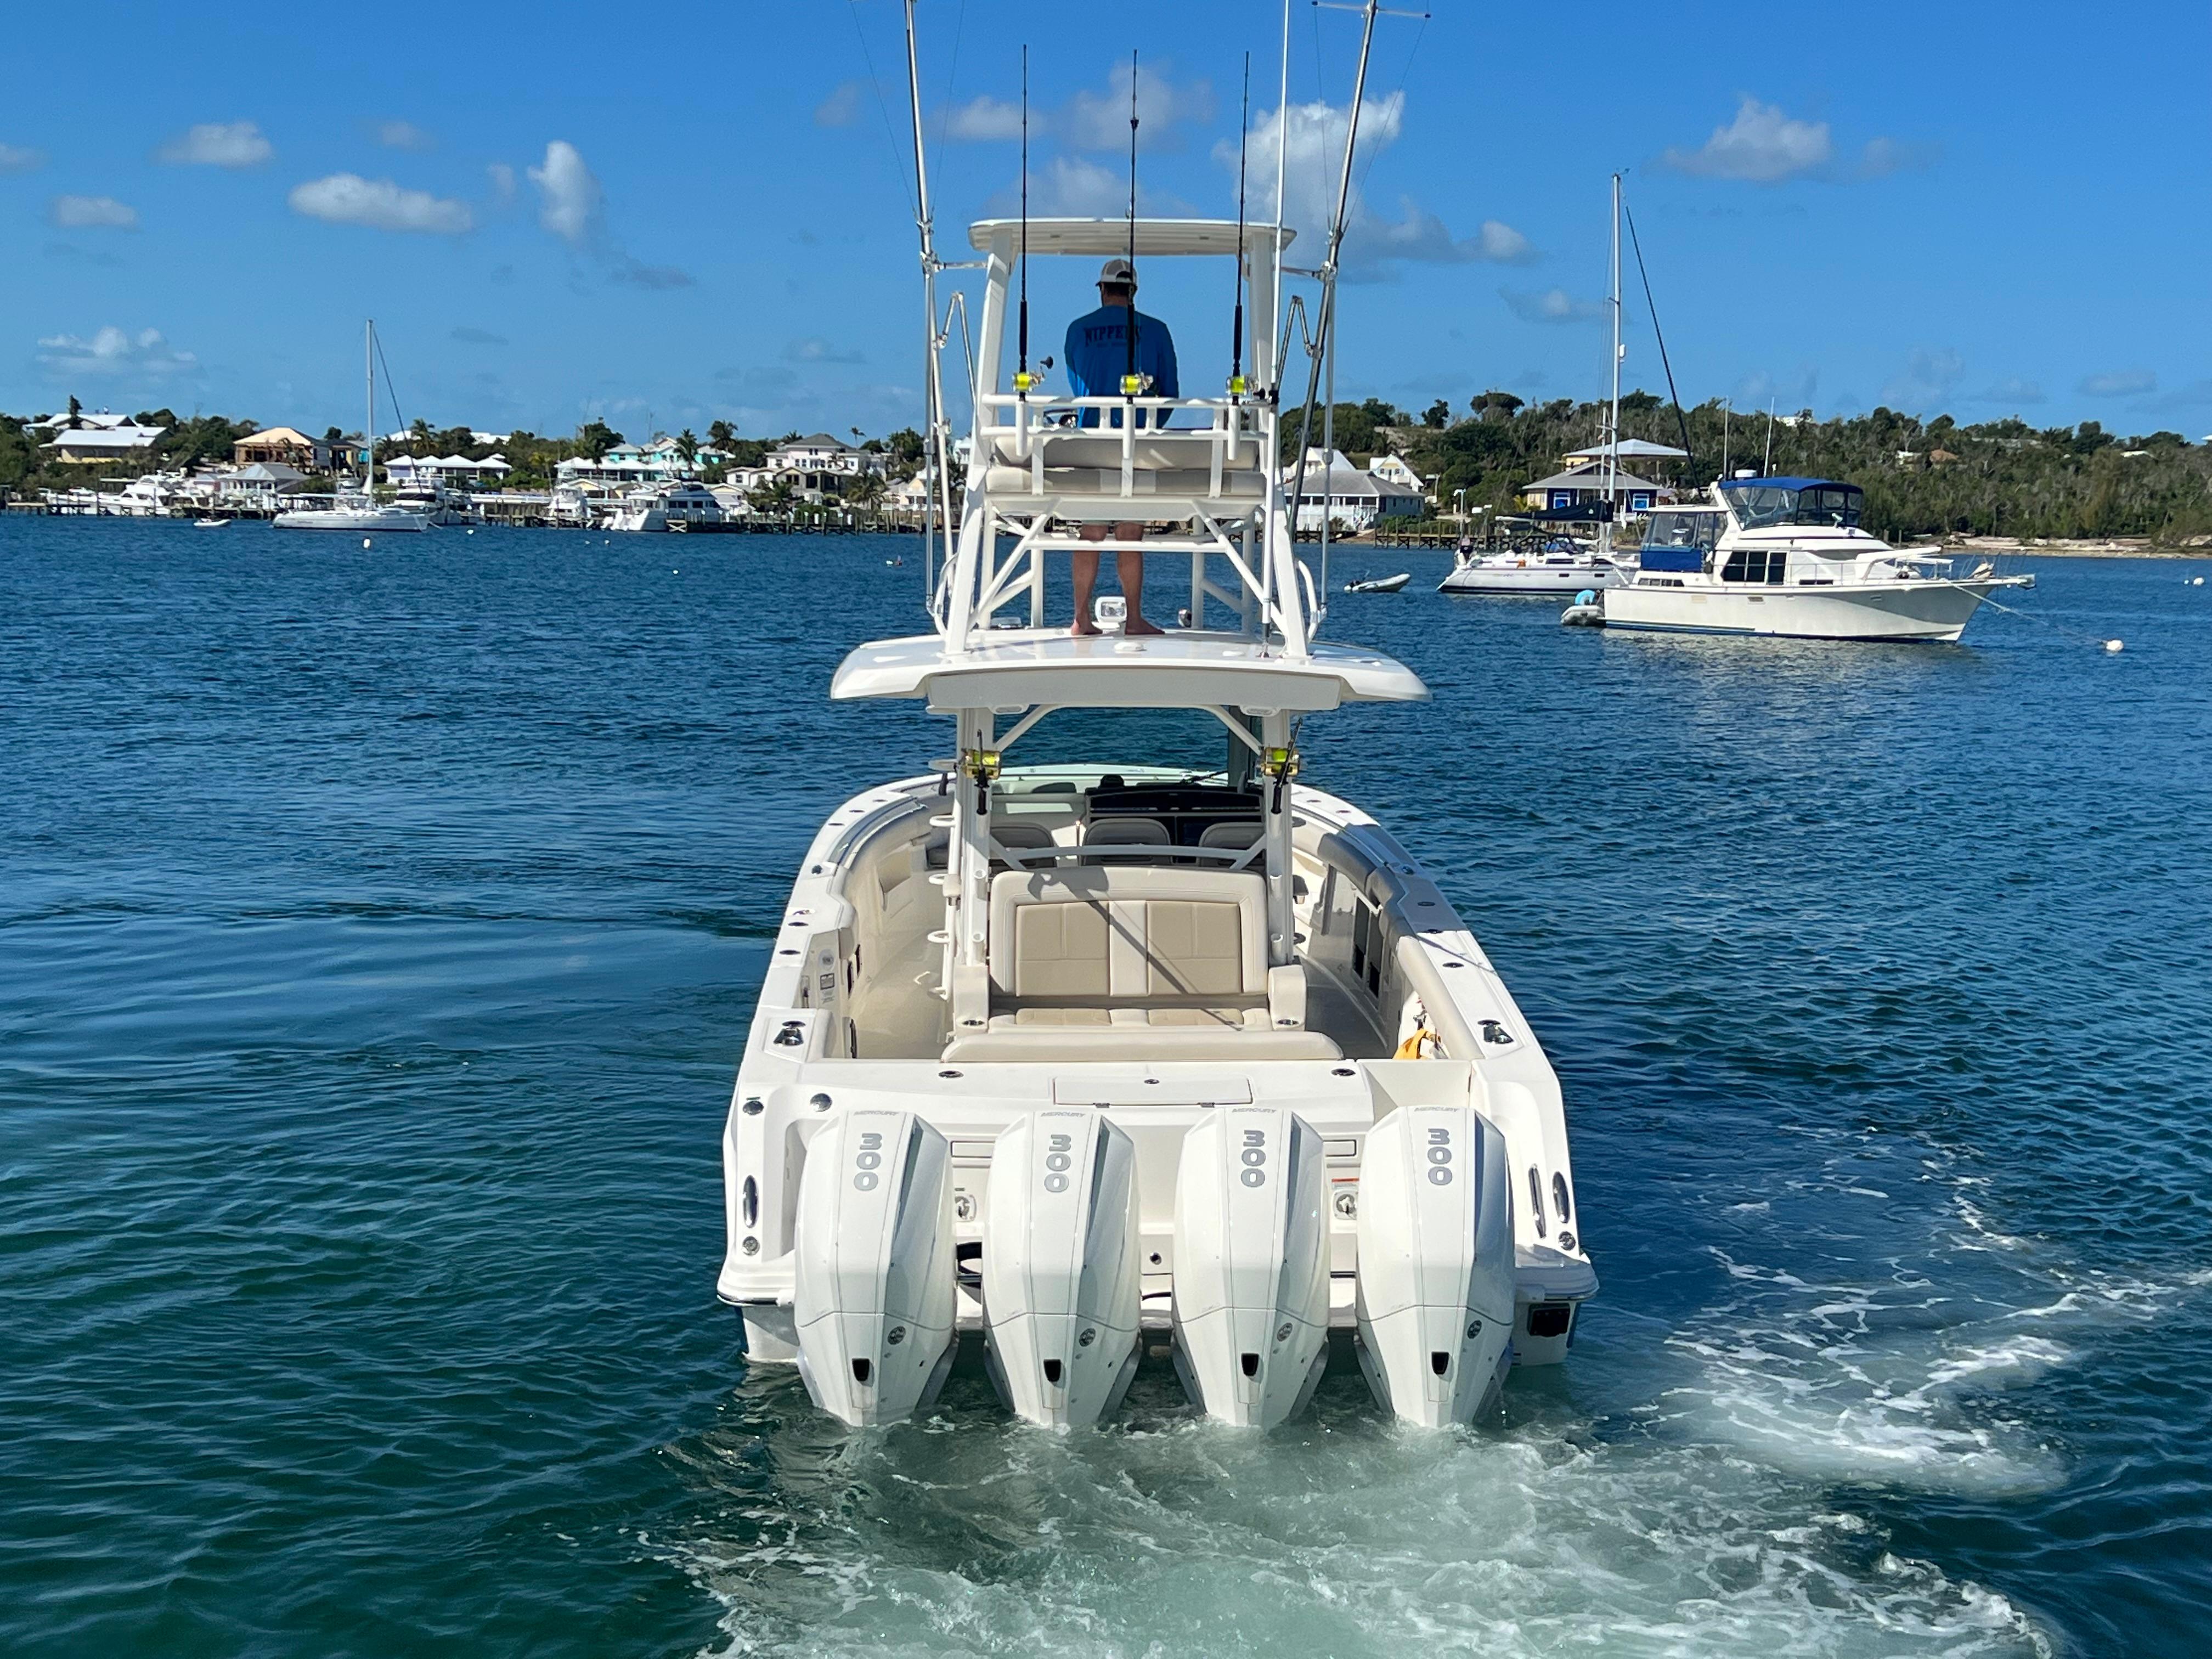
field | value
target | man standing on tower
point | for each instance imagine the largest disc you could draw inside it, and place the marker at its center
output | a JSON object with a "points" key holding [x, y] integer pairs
{"points": [[1098, 354]]}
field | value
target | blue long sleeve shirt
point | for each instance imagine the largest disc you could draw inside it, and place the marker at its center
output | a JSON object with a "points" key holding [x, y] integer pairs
{"points": [[1097, 355]]}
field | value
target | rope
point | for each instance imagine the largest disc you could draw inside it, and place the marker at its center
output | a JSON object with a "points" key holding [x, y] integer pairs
{"points": [[1689, 459], [882, 106]]}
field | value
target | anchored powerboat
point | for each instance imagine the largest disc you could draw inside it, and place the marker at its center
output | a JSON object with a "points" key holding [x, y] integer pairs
{"points": [[1568, 568], [667, 507], [1787, 557], [1115, 1062]]}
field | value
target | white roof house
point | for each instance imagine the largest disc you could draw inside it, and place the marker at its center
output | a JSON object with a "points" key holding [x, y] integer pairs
{"points": [[448, 470], [1628, 449], [658, 462], [102, 443], [1353, 500]]}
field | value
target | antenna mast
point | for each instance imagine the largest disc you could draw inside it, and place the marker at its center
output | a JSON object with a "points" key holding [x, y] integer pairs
{"points": [[938, 450], [1237, 328]]}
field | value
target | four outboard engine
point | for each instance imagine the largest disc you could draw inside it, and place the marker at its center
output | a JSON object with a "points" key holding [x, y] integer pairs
{"points": [[1251, 1265], [1061, 1278], [872, 1293], [1436, 1264]]}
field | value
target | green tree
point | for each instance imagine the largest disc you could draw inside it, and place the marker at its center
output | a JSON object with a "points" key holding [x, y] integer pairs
{"points": [[595, 438], [687, 445], [1438, 415], [721, 434]]}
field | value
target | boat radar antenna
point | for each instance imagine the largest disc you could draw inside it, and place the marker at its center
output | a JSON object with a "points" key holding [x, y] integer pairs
{"points": [[1237, 327], [1022, 380], [1130, 386]]}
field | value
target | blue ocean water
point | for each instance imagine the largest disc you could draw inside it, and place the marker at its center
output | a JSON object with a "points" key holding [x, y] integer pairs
{"points": [[378, 932]]}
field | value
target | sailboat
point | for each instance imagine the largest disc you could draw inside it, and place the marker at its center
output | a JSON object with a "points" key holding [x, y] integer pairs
{"points": [[1570, 567], [359, 512]]}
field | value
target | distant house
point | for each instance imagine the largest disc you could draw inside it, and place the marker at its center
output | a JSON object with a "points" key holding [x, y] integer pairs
{"points": [[261, 482], [283, 445], [1352, 500], [658, 462], [1396, 469], [449, 471], [119, 441], [1643, 454], [820, 467], [1582, 486]]}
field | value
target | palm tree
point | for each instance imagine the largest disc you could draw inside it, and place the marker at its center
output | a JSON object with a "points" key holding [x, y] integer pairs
{"points": [[721, 434], [687, 445]]}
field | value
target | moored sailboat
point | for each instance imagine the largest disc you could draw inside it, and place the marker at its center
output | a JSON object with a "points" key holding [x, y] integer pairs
{"points": [[360, 512]]}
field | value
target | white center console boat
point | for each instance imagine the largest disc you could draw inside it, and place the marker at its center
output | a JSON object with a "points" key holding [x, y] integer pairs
{"points": [[1100, 1065], [1787, 557]]}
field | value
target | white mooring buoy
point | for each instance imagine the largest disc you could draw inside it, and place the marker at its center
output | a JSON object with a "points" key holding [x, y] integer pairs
{"points": [[2113, 645], [364, 541]]}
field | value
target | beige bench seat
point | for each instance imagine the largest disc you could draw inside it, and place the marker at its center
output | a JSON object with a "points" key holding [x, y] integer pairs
{"points": [[1168, 463], [1108, 963]]}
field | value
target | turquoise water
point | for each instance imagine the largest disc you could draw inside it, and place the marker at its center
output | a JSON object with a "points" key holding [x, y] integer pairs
{"points": [[378, 932]]}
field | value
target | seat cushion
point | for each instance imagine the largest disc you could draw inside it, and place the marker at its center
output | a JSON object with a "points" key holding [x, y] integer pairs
{"points": [[1077, 1045]]}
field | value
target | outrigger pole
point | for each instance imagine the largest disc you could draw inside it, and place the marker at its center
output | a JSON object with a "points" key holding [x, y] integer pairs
{"points": [[940, 437], [1323, 346]]}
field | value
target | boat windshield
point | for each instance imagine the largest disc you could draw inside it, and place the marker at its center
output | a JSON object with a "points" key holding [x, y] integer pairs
{"points": [[1762, 501], [1678, 528]]}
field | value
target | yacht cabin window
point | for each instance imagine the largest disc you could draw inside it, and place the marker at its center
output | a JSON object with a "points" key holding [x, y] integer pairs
{"points": [[1770, 501]]}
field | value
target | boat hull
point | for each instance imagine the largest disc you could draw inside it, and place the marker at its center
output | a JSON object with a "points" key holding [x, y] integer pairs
{"points": [[359, 522], [1540, 580], [1918, 611]]}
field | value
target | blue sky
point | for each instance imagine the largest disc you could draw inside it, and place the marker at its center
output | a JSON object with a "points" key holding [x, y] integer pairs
{"points": [[670, 215]]}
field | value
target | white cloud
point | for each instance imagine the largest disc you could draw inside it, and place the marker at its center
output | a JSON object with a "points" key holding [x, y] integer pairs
{"points": [[816, 350], [2014, 391], [2120, 383], [1372, 244], [1762, 145], [986, 118], [15, 158], [573, 206], [347, 198], [638, 274], [114, 354], [1553, 305], [404, 135], [1085, 189], [1929, 377], [217, 145], [502, 182], [89, 212], [842, 108], [1100, 121]]}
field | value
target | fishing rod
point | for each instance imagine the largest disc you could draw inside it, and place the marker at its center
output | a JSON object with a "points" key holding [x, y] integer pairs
{"points": [[1237, 328], [1130, 385], [1022, 380]]}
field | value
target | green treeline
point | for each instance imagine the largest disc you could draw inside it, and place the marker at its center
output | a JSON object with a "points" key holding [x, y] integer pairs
{"points": [[1921, 478]]}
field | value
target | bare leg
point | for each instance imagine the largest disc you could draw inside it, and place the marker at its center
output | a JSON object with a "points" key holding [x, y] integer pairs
{"points": [[1085, 562], [1130, 565]]}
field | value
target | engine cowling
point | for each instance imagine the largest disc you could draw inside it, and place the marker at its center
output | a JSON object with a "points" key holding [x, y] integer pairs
{"points": [[1251, 1265], [873, 1288], [1061, 1277], [1436, 1264]]}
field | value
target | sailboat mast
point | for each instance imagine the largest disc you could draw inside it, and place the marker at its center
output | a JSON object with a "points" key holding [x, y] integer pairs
{"points": [[1613, 419], [368, 425]]}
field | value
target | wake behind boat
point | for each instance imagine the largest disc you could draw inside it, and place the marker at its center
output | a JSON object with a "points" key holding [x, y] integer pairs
{"points": [[1120, 1062], [1787, 557]]}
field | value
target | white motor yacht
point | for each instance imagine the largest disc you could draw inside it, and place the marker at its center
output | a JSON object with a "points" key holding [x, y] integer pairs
{"points": [[1120, 1063], [359, 512], [667, 507], [1787, 557]]}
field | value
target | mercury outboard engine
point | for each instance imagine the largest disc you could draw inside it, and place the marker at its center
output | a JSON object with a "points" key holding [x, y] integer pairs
{"points": [[1062, 1282], [1436, 1264], [1251, 1265], [872, 1293]]}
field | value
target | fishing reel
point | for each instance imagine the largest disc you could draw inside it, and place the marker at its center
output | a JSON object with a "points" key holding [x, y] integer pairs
{"points": [[981, 767], [1279, 766]]}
